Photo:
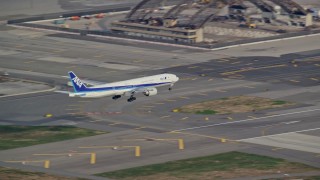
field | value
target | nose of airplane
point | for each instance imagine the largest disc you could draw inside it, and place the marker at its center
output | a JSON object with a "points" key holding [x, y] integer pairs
{"points": [[177, 78]]}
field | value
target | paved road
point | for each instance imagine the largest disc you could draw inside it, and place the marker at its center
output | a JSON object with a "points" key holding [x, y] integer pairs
{"points": [[18, 8], [35, 56], [283, 176]]}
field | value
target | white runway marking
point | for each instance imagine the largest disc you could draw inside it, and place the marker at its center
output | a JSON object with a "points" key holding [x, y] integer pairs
{"points": [[306, 130], [291, 122], [290, 140], [245, 120]]}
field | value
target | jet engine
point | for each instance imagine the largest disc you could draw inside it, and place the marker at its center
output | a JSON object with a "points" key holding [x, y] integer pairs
{"points": [[150, 92]]}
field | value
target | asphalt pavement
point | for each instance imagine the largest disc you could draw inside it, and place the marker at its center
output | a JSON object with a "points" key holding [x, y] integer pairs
{"points": [[288, 71]]}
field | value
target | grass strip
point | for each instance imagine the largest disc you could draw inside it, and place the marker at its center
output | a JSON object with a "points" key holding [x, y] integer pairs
{"points": [[9, 173], [221, 162], [21, 136]]}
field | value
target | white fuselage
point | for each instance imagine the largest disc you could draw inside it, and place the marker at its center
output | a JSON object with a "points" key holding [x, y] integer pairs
{"points": [[128, 86]]}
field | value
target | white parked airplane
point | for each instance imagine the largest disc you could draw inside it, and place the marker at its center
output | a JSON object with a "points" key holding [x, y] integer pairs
{"points": [[146, 85]]}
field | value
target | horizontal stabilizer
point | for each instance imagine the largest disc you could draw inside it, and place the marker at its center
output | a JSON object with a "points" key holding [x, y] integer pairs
{"points": [[62, 92]]}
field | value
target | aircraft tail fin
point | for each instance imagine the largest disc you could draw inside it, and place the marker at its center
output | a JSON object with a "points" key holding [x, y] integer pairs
{"points": [[77, 84]]}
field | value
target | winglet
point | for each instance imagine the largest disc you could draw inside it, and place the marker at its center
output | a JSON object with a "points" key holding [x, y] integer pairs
{"points": [[77, 84]]}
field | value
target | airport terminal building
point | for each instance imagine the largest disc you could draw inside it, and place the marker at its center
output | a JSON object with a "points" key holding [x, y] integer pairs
{"points": [[175, 34], [183, 21]]}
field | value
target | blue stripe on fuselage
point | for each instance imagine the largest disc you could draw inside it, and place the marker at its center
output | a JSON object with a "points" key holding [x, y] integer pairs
{"points": [[123, 87]]}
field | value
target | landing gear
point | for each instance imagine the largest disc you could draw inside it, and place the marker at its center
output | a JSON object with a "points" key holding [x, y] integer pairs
{"points": [[116, 97], [170, 88], [131, 99]]}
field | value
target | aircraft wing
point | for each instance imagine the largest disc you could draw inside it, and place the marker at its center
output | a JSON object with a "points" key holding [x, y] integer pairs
{"points": [[88, 83], [93, 83]]}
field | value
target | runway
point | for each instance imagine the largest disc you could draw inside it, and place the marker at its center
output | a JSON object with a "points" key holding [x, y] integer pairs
{"points": [[17, 8], [203, 76]]}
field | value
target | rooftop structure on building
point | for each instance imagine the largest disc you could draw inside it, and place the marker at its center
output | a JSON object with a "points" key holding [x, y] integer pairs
{"points": [[183, 20]]}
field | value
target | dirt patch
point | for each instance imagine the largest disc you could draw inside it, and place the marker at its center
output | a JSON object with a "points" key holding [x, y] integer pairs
{"points": [[236, 104]]}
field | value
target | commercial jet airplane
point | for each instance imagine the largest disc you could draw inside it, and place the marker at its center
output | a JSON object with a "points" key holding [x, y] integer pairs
{"points": [[146, 85]]}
